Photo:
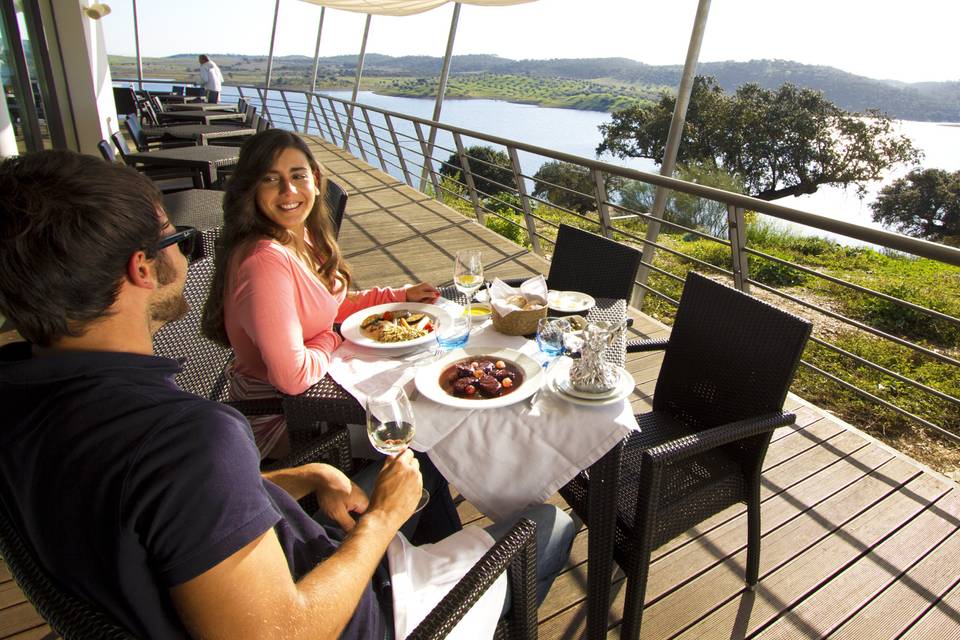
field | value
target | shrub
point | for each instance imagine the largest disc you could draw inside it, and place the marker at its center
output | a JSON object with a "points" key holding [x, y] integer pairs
{"points": [[898, 319]]}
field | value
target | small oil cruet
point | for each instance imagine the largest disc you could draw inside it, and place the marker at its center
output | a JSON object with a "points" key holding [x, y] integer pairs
{"points": [[591, 373]]}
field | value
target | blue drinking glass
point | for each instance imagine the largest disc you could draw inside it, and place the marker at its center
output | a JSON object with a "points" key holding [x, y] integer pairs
{"points": [[452, 333], [550, 332]]}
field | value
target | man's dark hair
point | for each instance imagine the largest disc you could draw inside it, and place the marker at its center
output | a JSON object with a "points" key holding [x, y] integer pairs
{"points": [[68, 226]]}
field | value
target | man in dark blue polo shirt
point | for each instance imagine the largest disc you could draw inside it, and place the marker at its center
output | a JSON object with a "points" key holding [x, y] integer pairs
{"points": [[140, 497]]}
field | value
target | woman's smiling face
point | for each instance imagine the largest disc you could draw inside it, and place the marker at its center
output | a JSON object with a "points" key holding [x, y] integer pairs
{"points": [[288, 190]]}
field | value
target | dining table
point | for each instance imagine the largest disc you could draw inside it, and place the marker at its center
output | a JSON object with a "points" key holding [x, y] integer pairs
{"points": [[198, 115], [202, 106], [506, 458], [205, 158], [198, 133]]}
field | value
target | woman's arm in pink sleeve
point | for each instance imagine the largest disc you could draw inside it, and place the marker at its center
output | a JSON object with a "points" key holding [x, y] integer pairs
{"points": [[266, 307], [371, 297]]}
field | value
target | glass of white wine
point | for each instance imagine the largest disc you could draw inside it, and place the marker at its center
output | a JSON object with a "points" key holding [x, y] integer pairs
{"points": [[390, 426], [468, 274]]}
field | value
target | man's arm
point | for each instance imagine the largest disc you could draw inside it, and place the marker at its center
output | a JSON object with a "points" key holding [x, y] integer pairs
{"points": [[251, 594], [337, 495]]}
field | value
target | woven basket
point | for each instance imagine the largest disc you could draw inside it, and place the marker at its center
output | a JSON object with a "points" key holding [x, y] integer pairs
{"points": [[518, 323]]}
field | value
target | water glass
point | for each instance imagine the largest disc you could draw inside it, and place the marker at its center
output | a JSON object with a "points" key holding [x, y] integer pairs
{"points": [[550, 332], [452, 333]]}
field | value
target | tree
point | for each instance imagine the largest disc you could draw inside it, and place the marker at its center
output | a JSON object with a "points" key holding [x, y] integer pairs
{"points": [[492, 170], [926, 204], [569, 185], [784, 142]]}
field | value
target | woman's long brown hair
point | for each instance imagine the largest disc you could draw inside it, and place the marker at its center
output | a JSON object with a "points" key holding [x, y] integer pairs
{"points": [[244, 224]]}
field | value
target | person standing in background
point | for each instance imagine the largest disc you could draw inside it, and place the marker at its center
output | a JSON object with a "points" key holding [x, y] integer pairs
{"points": [[210, 79]]}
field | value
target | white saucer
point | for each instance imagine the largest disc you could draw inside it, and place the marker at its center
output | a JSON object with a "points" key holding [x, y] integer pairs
{"points": [[569, 301], [560, 376], [563, 384]]}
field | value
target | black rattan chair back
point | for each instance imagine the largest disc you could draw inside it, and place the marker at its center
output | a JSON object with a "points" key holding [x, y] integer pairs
{"points": [[70, 616], [203, 361], [196, 92], [106, 151], [137, 134], [249, 115], [586, 262], [336, 204], [121, 144], [730, 356]]}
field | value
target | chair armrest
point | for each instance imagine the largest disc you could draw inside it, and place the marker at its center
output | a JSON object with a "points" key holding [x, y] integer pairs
{"points": [[332, 446], [637, 346], [258, 407], [697, 443], [517, 553]]}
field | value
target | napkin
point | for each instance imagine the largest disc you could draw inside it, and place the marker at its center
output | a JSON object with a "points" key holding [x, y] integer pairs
{"points": [[534, 290], [423, 575]]}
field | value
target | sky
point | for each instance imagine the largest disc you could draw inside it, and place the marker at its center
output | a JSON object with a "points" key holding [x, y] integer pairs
{"points": [[885, 39]]}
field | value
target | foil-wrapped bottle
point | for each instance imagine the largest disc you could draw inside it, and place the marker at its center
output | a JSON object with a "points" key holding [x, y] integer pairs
{"points": [[591, 373]]}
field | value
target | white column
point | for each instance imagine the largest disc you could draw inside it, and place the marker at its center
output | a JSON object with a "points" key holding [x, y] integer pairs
{"points": [[84, 74], [8, 141]]}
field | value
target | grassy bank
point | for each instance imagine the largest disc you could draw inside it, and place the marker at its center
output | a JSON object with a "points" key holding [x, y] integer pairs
{"points": [[923, 282]]}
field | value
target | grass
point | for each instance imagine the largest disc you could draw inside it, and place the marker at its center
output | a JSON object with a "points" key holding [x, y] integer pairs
{"points": [[927, 283]]}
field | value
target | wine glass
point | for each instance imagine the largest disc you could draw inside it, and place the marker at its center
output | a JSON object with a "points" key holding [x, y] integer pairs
{"points": [[468, 274], [390, 426]]}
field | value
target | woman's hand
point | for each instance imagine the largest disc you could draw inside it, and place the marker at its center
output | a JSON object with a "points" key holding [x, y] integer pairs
{"points": [[422, 292]]}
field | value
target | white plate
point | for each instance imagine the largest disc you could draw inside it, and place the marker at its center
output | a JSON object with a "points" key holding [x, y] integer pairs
{"points": [[561, 372], [428, 378], [350, 329], [569, 301]]}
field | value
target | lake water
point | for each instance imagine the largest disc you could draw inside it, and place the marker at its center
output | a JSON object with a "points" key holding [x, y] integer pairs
{"points": [[576, 132]]}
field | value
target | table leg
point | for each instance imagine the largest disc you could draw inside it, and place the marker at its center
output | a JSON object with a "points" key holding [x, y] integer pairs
{"points": [[602, 529]]}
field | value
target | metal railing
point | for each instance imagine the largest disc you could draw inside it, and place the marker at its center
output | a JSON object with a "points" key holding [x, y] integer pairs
{"points": [[399, 144]]}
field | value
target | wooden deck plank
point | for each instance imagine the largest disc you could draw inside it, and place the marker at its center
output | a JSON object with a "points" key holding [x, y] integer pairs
{"points": [[896, 609], [826, 544], [18, 618], [10, 594], [835, 601], [942, 622]]}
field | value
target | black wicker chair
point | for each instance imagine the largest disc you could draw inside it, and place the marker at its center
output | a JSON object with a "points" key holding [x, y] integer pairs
{"points": [[167, 178], [106, 151], [336, 203], [727, 367], [589, 263]]}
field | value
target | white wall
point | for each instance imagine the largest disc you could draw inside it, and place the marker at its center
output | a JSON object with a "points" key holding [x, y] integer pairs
{"points": [[8, 142], [79, 57]]}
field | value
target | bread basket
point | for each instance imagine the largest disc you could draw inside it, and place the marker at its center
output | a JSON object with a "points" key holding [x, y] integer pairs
{"points": [[518, 323]]}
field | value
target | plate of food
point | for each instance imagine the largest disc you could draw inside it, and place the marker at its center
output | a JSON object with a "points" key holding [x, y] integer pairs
{"points": [[569, 301], [480, 378], [396, 326]]}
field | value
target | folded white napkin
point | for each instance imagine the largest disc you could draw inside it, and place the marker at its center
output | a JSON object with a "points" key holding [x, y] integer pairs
{"points": [[534, 290], [423, 575]]}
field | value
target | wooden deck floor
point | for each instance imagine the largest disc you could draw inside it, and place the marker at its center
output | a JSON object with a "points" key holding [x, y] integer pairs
{"points": [[859, 541]]}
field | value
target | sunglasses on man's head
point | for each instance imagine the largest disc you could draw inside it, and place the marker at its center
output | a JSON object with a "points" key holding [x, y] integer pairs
{"points": [[187, 240]]}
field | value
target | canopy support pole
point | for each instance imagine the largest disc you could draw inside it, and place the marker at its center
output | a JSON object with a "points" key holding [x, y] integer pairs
{"points": [[356, 82], [313, 76], [672, 146], [273, 39], [442, 86], [136, 43]]}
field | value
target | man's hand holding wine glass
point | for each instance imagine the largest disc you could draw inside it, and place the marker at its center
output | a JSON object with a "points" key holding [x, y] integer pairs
{"points": [[398, 489]]}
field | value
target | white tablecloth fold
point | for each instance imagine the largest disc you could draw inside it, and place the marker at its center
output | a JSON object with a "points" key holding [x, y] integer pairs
{"points": [[501, 460], [423, 575]]}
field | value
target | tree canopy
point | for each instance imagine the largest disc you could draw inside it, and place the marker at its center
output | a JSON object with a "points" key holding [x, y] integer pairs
{"points": [[925, 204], [569, 185], [784, 142], [492, 170]]}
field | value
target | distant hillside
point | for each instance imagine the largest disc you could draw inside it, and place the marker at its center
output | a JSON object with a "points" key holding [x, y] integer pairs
{"points": [[931, 101]]}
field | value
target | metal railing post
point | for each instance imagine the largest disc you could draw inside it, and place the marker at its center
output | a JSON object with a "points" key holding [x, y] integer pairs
{"points": [[326, 119], [396, 145], [427, 161], [352, 124], [373, 138], [737, 233], [525, 200], [603, 210], [468, 177], [293, 123], [263, 103], [313, 112], [336, 118]]}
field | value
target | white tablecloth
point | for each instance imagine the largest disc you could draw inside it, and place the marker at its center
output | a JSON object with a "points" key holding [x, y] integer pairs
{"points": [[501, 460]]}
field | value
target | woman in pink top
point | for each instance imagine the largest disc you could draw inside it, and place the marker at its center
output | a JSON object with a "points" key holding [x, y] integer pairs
{"points": [[281, 281]]}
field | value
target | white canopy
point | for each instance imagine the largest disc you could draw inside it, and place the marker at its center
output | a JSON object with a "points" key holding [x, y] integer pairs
{"points": [[401, 7]]}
